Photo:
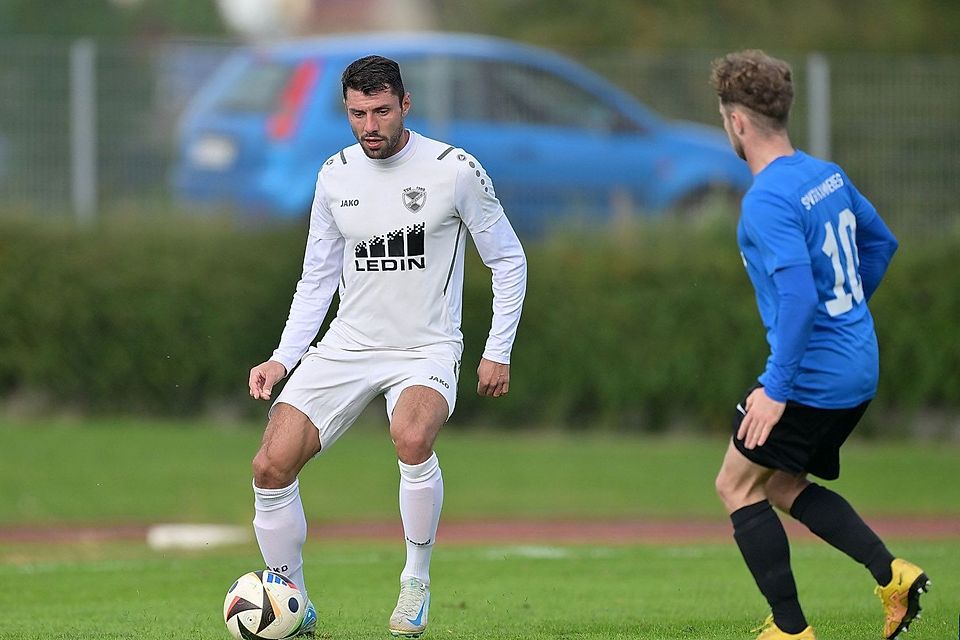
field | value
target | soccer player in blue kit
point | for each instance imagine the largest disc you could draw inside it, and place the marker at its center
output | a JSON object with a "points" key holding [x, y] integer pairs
{"points": [[815, 250]]}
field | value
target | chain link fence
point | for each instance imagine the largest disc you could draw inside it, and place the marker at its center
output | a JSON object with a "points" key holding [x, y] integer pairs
{"points": [[892, 121], [126, 118]]}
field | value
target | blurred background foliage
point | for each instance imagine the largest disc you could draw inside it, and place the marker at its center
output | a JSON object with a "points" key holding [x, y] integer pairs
{"points": [[815, 25], [915, 26], [110, 18], [640, 327]]}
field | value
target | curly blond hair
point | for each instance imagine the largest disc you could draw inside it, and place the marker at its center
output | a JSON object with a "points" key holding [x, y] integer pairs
{"points": [[759, 82]]}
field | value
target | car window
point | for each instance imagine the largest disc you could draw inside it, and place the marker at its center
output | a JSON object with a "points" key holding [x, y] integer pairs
{"points": [[415, 74], [257, 88], [506, 92], [426, 79]]}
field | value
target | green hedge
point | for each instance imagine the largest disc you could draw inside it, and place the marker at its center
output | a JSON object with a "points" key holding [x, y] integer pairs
{"points": [[164, 319], [639, 327]]}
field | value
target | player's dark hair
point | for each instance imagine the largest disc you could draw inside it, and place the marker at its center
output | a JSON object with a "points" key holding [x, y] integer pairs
{"points": [[372, 74], [756, 81]]}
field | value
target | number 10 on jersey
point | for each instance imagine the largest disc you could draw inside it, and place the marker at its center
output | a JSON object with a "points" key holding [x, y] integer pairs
{"points": [[845, 278]]}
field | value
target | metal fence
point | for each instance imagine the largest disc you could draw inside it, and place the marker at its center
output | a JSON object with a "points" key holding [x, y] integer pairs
{"points": [[85, 127], [892, 121]]}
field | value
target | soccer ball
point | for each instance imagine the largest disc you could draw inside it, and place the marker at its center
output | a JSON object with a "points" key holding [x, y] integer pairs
{"points": [[263, 605]]}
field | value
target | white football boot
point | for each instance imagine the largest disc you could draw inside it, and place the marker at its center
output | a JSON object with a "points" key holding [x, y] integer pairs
{"points": [[309, 624], [409, 619]]}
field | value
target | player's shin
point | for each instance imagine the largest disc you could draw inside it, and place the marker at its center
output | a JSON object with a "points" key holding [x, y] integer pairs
{"points": [[766, 551], [421, 499], [281, 529], [830, 516]]}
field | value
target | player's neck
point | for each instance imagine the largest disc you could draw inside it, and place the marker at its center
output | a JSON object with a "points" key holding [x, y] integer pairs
{"points": [[404, 139], [765, 150]]}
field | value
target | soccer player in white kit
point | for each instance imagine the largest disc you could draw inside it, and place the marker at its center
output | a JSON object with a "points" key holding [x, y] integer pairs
{"points": [[387, 231]]}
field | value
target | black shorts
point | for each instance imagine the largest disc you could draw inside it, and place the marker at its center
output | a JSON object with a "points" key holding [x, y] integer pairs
{"points": [[806, 440]]}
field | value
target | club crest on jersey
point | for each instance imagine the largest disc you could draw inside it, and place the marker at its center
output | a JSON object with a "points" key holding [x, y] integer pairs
{"points": [[414, 198]]}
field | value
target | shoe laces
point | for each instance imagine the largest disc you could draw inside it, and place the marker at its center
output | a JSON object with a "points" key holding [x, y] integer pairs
{"points": [[412, 593]]}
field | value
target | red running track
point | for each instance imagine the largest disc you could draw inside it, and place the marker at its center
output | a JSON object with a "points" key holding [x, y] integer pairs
{"points": [[641, 531]]}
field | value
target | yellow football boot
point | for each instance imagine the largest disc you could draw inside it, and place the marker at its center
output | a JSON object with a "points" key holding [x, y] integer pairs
{"points": [[901, 597], [770, 631]]}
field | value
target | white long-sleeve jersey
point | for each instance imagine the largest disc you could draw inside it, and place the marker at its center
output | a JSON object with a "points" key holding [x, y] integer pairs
{"points": [[390, 235]]}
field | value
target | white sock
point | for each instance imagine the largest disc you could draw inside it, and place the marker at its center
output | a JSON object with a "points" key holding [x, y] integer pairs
{"points": [[281, 529], [421, 498]]}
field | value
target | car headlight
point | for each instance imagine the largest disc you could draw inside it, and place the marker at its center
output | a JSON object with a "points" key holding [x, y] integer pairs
{"points": [[213, 152]]}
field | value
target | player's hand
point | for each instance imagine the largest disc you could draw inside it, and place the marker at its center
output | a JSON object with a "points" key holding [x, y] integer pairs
{"points": [[263, 377], [493, 378], [763, 413]]}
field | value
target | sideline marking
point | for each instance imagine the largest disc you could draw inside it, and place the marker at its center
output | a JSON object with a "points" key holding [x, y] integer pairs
{"points": [[195, 536]]}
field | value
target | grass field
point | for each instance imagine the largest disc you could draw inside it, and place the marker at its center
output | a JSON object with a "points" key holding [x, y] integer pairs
{"points": [[479, 592], [149, 471], [124, 471]]}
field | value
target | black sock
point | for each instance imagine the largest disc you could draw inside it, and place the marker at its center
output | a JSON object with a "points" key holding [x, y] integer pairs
{"points": [[763, 544], [832, 518]]}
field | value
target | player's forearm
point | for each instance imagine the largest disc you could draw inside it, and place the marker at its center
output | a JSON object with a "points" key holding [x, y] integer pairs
{"points": [[323, 264], [509, 290], [307, 311], [501, 251], [795, 315], [876, 245]]}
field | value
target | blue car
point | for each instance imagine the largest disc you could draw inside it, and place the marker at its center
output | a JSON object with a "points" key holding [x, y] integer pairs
{"points": [[558, 140]]}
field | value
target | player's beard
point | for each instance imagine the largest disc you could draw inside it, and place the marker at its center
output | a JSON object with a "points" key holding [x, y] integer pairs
{"points": [[387, 149], [738, 146]]}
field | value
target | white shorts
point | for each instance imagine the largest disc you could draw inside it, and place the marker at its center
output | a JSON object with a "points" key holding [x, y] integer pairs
{"points": [[333, 386]]}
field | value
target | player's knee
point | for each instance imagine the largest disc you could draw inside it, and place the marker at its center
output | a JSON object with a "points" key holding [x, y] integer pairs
{"points": [[735, 491], [269, 473], [413, 452], [782, 489], [412, 447], [722, 485], [779, 501]]}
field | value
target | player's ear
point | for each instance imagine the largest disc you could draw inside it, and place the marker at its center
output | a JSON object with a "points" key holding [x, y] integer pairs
{"points": [[405, 104], [737, 119]]}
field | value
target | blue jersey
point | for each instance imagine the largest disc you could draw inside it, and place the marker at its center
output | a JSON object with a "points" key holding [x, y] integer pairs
{"points": [[804, 212]]}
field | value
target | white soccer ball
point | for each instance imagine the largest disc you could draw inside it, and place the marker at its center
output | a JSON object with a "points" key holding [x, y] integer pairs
{"points": [[263, 605]]}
